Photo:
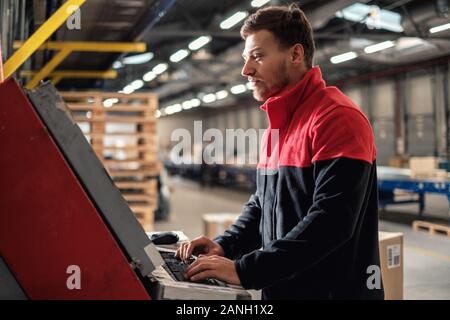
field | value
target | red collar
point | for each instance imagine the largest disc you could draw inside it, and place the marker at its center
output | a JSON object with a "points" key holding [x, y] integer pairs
{"points": [[280, 108]]}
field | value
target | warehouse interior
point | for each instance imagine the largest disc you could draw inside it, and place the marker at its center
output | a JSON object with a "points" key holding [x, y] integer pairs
{"points": [[138, 76]]}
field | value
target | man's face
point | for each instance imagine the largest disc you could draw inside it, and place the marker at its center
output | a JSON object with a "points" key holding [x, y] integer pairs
{"points": [[266, 64]]}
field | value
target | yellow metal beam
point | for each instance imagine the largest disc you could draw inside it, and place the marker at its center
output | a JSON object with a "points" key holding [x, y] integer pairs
{"points": [[91, 46], [42, 34], [110, 74], [49, 67]]}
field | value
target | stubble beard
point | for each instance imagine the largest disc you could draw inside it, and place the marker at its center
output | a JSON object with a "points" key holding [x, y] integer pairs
{"points": [[262, 92]]}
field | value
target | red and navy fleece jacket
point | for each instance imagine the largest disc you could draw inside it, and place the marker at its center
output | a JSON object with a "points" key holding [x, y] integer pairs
{"points": [[311, 228]]}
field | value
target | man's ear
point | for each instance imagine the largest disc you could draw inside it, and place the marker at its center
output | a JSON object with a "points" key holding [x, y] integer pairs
{"points": [[297, 54]]}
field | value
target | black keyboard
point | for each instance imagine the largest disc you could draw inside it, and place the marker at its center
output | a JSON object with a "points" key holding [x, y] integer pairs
{"points": [[177, 268]]}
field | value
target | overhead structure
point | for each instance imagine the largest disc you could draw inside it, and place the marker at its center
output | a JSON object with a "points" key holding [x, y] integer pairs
{"points": [[66, 48], [41, 35]]}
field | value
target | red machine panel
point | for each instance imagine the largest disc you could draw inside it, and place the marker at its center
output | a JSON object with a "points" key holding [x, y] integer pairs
{"points": [[47, 221]]}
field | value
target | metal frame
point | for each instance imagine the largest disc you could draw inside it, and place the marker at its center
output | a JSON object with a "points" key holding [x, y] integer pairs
{"points": [[42, 34], [418, 186], [65, 48], [61, 74]]}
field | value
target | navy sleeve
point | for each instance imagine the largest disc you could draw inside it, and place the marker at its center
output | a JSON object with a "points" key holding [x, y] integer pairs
{"points": [[243, 236], [339, 194]]}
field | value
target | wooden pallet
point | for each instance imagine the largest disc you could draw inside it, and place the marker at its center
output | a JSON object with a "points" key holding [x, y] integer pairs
{"points": [[432, 228], [145, 216], [132, 163]]}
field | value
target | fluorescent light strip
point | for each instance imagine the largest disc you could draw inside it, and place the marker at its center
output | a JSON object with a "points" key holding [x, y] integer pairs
{"points": [[233, 20], [173, 108], [211, 97], [117, 65], [238, 89], [187, 105], [138, 58], [343, 57], [440, 28], [222, 94], [128, 89], [195, 102], [199, 42], [258, 3], [379, 46], [149, 76], [137, 84], [179, 55], [160, 68]]}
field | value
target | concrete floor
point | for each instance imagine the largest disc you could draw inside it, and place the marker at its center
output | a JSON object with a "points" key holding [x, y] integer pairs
{"points": [[426, 257]]}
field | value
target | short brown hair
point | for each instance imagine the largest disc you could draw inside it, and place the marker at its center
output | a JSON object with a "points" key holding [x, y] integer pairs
{"points": [[287, 23]]}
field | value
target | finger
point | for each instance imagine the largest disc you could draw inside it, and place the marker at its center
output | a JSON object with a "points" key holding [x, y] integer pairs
{"points": [[188, 250], [195, 244], [199, 267], [180, 250], [185, 248], [204, 275]]}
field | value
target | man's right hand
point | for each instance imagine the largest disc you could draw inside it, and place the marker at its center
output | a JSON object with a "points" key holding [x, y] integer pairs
{"points": [[200, 245]]}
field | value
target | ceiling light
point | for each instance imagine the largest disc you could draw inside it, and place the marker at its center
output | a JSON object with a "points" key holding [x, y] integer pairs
{"points": [[440, 28], [343, 57], [199, 42], [187, 105], [195, 102], [138, 58], [179, 55], [211, 97], [107, 103], [160, 68], [258, 3], [222, 94], [233, 20], [117, 65], [173, 108], [137, 84], [157, 113], [128, 89], [238, 89], [379, 46], [372, 16], [149, 76]]}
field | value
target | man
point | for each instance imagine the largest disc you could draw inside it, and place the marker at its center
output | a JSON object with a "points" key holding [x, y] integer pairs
{"points": [[311, 228]]}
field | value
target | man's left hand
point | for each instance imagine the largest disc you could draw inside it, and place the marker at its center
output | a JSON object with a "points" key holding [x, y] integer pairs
{"points": [[216, 267]]}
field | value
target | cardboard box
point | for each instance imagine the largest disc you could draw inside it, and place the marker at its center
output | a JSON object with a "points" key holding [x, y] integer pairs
{"points": [[391, 255], [399, 162], [216, 223], [423, 167]]}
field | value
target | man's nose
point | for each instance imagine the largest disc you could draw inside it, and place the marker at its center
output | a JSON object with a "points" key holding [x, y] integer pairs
{"points": [[247, 69]]}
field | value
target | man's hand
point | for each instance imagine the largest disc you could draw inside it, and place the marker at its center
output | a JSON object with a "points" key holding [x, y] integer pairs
{"points": [[215, 267], [200, 245]]}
